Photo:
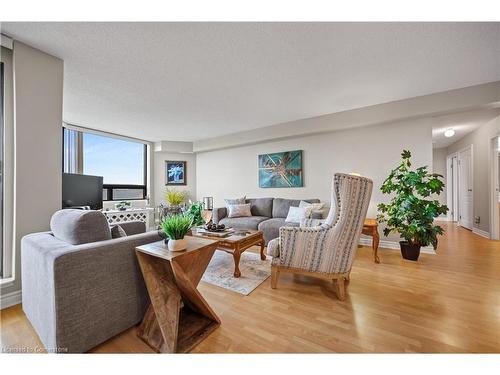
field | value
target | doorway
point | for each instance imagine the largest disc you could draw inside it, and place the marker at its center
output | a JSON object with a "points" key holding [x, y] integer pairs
{"points": [[452, 187], [459, 190], [495, 188]]}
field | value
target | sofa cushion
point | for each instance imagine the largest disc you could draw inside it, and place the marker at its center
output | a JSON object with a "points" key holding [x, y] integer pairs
{"points": [[250, 222], [271, 228], [281, 206], [261, 206], [80, 226]]}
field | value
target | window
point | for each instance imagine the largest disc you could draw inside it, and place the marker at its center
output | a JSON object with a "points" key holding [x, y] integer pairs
{"points": [[7, 259], [1, 167], [121, 163]]}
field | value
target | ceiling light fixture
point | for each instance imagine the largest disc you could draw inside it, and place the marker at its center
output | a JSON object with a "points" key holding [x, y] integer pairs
{"points": [[449, 133]]}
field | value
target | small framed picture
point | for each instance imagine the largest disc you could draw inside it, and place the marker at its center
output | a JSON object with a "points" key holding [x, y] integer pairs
{"points": [[175, 172]]}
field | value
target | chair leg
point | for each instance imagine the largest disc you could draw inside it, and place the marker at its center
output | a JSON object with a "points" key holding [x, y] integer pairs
{"points": [[340, 288], [274, 276]]}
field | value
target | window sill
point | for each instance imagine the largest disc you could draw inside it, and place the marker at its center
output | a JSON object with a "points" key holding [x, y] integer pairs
{"points": [[8, 281]]}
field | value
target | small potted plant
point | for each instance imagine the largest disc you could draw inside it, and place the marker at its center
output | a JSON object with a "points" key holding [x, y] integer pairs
{"points": [[411, 211], [175, 228], [122, 206]]}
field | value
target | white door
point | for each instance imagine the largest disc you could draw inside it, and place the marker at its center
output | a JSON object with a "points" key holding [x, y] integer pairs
{"points": [[465, 188]]}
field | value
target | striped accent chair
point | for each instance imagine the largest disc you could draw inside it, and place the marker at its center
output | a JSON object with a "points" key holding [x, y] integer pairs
{"points": [[326, 250]]}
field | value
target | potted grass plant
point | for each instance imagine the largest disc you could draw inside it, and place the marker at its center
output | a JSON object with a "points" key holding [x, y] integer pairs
{"points": [[411, 211], [175, 228]]}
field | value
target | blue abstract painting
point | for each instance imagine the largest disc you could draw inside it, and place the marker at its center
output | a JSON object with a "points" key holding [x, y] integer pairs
{"points": [[175, 173], [281, 170]]}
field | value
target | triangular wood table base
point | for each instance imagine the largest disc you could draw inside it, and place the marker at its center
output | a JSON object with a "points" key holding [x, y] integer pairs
{"points": [[178, 317]]}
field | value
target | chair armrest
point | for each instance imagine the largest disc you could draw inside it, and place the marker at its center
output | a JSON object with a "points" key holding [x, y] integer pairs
{"points": [[296, 241], [218, 214]]}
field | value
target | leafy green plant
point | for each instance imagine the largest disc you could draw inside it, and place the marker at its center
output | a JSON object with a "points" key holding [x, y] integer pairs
{"points": [[175, 197], [176, 226], [195, 212], [122, 205], [410, 211]]}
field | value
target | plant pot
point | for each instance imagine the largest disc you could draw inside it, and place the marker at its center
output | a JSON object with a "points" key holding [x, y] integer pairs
{"points": [[172, 210], [408, 251], [177, 245]]}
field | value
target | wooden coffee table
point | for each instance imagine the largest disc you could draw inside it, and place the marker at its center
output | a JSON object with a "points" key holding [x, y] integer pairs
{"points": [[178, 317], [235, 244]]}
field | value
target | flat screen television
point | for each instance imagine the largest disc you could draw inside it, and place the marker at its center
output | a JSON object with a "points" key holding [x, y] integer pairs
{"points": [[81, 190]]}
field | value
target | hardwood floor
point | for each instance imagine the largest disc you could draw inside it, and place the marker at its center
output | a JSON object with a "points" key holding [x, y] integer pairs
{"points": [[449, 302]]}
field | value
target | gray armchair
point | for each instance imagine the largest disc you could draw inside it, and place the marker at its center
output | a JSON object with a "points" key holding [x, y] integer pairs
{"points": [[81, 287], [327, 250]]}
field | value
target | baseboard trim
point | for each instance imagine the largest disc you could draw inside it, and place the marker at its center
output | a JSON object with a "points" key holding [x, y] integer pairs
{"points": [[443, 218], [481, 233], [393, 245], [10, 299]]}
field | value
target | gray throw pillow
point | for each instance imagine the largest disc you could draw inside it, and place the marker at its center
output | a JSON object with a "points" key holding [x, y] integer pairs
{"points": [[241, 200], [117, 232]]}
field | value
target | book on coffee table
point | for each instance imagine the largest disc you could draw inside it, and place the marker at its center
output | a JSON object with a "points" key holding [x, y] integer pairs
{"points": [[220, 234]]}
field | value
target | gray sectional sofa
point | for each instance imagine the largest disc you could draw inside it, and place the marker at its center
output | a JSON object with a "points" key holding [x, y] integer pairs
{"points": [[268, 215], [81, 287]]}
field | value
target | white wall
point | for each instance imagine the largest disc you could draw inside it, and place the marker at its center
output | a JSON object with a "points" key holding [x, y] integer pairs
{"points": [[371, 151], [439, 166], [38, 99], [159, 175]]}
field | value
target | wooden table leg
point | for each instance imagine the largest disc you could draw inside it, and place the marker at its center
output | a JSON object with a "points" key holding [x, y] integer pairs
{"points": [[375, 242], [236, 256], [178, 317], [262, 255]]}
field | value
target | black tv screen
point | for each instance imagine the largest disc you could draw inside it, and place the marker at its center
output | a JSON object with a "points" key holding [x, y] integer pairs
{"points": [[81, 190]]}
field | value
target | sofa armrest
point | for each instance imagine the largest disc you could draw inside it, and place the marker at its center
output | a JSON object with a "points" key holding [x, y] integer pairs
{"points": [[79, 296], [219, 214]]}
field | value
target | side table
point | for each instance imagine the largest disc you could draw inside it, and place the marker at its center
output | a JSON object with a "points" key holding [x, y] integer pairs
{"points": [[178, 317]]}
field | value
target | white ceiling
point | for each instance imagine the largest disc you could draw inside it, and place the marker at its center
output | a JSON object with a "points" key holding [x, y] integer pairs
{"points": [[462, 123], [190, 81]]}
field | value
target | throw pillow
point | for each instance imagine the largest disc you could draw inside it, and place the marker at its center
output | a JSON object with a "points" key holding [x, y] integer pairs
{"points": [[311, 207], [296, 214], [117, 232], [241, 200], [239, 210], [317, 215]]}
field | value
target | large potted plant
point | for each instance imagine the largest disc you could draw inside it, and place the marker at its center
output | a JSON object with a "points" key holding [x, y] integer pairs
{"points": [[411, 211], [195, 212], [175, 228]]}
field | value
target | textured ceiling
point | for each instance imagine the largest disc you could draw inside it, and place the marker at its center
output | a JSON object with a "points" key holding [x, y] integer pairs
{"points": [[190, 81]]}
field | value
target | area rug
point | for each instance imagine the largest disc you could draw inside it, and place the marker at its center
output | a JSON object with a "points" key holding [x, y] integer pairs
{"points": [[253, 272]]}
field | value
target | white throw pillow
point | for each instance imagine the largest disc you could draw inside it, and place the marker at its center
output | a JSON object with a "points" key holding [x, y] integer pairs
{"points": [[296, 214], [310, 207], [239, 210]]}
